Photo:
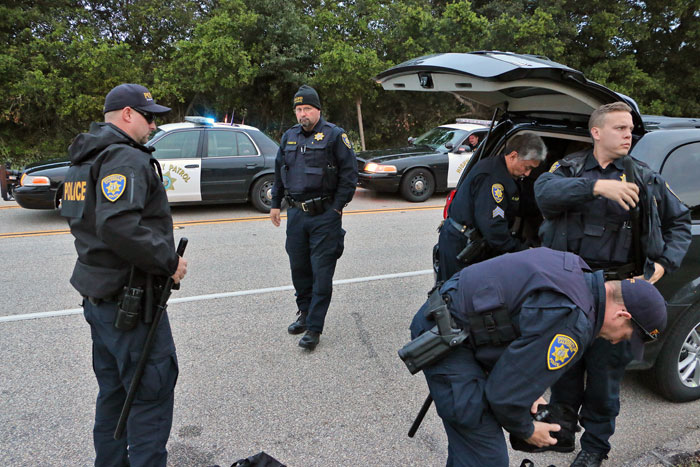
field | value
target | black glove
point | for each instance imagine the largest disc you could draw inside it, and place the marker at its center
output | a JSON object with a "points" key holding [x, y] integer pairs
{"points": [[561, 414]]}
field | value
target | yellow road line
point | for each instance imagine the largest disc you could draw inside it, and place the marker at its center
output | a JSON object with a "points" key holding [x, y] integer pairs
{"points": [[41, 233], [9, 207]]}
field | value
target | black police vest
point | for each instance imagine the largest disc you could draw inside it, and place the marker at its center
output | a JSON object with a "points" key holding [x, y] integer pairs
{"points": [[493, 291], [309, 165]]}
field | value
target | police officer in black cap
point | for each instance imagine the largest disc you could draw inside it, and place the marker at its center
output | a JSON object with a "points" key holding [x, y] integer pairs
{"points": [[586, 199], [484, 209], [316, 171], [529, 317], [118, 212]]}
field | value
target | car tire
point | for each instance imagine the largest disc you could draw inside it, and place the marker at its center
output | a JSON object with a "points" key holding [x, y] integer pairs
{"points": [[261, 193], [417, 185], [676, 371]]}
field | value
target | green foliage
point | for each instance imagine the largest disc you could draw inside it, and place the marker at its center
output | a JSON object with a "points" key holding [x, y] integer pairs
{"points": [[59, 58]]}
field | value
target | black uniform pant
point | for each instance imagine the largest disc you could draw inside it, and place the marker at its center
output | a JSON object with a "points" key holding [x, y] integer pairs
{"points": [[115, 354], [450, 243], [314, 244], [456, 383], [602, 367]]}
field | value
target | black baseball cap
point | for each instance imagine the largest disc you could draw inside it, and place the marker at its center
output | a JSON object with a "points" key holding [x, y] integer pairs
{"points": [[135, 96], [648, 309]]}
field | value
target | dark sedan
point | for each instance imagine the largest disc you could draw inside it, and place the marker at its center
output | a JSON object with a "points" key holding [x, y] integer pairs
{"points": [[202, 162], [432, 163]]}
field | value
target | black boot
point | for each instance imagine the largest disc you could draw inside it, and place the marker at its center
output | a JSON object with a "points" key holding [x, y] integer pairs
{"points": [[298, 326], [588, 459], [310, 340]]}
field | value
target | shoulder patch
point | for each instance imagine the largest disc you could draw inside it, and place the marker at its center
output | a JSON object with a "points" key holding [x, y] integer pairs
{"points": [[499, 212], [346, 141], [561, 351], [113, 186], [554, 167], [497, 192]]}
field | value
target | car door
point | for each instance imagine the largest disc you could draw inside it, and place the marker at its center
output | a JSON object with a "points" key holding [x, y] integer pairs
{"points": [[231, 158], [459, 157], [177, 153]]}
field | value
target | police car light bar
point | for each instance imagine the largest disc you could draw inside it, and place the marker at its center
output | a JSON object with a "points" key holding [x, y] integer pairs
{"points": [[474, 121], [200, 120]]}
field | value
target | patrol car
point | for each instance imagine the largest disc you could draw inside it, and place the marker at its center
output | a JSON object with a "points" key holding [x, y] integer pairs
{"points": [[202, 162], [532, 93], [432, 163]]}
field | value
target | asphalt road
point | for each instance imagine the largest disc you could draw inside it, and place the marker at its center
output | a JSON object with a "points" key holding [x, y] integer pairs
{"points": [[244, 384]]}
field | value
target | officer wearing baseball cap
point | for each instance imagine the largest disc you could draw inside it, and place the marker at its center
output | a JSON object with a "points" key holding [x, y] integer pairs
{"points": [[316, 172], [528, 317], [119, 214]]}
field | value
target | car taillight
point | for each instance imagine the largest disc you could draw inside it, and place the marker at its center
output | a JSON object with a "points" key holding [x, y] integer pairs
{"points": [[448, 201]]}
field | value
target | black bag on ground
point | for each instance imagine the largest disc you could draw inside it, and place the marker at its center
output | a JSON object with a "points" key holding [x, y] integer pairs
{"points": [[261, 459], [561, 414]]}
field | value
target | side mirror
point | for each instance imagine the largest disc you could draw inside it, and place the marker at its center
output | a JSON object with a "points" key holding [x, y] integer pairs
{"points": [[449, 146]]}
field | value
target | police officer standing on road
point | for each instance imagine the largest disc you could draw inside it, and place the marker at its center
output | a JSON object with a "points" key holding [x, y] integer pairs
{"points": [[118, 213], [586, 200], [546, 307], [486, 205], [316, 171]]}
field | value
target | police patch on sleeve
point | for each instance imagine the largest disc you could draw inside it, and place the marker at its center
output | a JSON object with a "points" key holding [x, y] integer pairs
{"points": [[497, 192], [554, 167], [113, 186], [561, 351], [345, 139]]}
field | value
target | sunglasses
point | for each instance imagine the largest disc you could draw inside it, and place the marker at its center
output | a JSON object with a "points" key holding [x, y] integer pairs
{"points": [[646, 335], [150, 118]]}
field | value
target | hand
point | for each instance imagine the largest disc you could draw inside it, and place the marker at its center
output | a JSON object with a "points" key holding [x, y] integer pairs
{"points": [[540, 401], [625, 194], [541, 437], [275, 217], [659, 272], [181, 270]]}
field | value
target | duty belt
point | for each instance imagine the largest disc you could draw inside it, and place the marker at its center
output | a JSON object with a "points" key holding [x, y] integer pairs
{"points": [[459, 227], [619, 273], [308, 205]]}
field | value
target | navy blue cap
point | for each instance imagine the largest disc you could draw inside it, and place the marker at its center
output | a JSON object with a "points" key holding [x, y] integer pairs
{"points": [[648, 309], [134, 96]]}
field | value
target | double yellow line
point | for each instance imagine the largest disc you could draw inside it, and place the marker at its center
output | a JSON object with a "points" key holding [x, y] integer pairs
{"points": [[180, 225]]}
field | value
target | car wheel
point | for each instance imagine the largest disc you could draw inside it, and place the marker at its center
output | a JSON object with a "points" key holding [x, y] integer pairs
{"points": [[417, 185], [677, 368], [261, 193]]}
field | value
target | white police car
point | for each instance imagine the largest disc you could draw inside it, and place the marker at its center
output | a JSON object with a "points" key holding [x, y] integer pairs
{"points": [[202, 161]]}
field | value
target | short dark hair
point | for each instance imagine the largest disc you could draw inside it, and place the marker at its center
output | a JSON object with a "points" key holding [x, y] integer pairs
{"points": [[528, 145], [598, 116]]}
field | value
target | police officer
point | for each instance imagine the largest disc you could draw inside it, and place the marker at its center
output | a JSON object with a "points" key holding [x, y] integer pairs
{"points": [[586, 200], [118, 213], [486, 205], [547, 308], [316, 171]]}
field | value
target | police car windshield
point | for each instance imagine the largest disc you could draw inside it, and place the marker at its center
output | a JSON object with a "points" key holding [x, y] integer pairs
{"points": [[438, 137], [156, 134]]}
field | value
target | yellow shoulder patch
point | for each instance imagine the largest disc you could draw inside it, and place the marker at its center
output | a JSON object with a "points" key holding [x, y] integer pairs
{"points": [[561, 351], [113, 186], [497, 192], [554, 167], [346, 140]]}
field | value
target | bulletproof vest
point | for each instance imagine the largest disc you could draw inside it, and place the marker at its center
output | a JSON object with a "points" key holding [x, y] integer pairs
{"points": [[493, 291], [599, 230], [309, 166]]}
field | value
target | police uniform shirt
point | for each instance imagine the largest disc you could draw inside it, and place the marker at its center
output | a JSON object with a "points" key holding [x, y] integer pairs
{"points": [[304, 157], [489, 199]]}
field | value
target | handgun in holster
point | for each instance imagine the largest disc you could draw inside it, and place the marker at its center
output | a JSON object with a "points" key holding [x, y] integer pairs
{"points": [[476, 249], [436, 343]]}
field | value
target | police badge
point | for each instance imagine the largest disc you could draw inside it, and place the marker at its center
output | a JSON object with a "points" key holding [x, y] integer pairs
{"points": [[561, 351], [113, 186], [497, 192]]}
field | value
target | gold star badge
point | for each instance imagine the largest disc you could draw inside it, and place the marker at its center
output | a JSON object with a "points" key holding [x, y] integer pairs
{"points": [[319, 136]]}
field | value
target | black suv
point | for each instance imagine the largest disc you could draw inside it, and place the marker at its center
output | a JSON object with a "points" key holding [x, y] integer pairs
{"points": [[532, 93]]}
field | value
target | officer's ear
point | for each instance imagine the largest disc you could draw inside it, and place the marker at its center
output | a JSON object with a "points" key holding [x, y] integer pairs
{"points": [[513, 156]]}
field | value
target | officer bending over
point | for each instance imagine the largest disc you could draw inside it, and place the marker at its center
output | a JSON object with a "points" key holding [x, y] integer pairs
{"points": [[586, 199], [529, 316], [316, 171], [118, 213], [486, 205]]}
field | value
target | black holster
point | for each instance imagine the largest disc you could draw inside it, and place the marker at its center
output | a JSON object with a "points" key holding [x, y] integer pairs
{"points": [[477, 248], [129, 306]]}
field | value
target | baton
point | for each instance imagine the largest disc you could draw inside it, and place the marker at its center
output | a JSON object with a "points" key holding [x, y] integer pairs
{"points": [[420, 416], [141, 366]]}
